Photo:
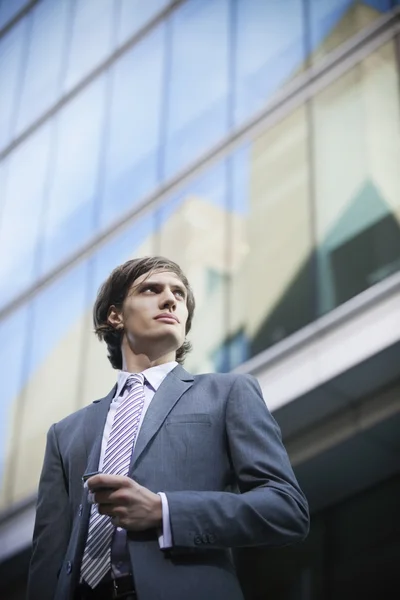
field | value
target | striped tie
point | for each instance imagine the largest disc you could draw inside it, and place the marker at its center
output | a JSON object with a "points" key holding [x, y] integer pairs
{"points": [[96, 560]]}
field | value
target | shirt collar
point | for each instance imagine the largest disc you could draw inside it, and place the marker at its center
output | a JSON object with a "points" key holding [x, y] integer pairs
{"points": [[154, 376]]}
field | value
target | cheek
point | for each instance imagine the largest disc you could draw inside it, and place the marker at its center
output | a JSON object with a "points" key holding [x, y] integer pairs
{"points": [[134, 320], [184, 321]]}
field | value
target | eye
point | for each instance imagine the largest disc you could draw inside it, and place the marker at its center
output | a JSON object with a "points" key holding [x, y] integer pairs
{"points": [[148, 288], [180, 293]]}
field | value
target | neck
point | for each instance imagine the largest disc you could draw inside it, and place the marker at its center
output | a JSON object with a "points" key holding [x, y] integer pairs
{"points": [[136, 363]]}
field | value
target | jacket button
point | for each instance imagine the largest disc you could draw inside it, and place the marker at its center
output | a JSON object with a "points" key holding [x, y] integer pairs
{"points": [[80, 510], [205, 539], [197, 540], [68, 567], [211, 538]]}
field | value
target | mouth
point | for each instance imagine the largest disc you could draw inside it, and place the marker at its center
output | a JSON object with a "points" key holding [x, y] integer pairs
{"points": [[167, 318]]}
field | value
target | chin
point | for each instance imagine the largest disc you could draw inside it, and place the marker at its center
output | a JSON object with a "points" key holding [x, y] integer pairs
{"points": [[161, 346]]}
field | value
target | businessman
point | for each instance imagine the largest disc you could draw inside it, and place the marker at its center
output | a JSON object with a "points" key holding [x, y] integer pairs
{"points": [[144, 492]]}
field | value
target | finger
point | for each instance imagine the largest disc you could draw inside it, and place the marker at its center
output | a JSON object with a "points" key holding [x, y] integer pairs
{"points": [[121, 496], [115, 521], [108, 481], [119, 521], [111, 511], [106, 509], [105, 496]]}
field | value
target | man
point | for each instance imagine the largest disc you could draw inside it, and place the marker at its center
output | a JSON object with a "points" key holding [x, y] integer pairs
{"points": [[191, 466]]}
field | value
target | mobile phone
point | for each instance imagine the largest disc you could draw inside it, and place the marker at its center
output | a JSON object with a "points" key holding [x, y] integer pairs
{"points": [[87, 476]]}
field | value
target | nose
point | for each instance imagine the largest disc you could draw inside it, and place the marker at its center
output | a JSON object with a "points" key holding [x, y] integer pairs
{"points": [[167, 299]]}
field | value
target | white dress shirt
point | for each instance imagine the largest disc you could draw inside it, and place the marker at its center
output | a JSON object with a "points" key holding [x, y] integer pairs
{"points": [[153, 379]]}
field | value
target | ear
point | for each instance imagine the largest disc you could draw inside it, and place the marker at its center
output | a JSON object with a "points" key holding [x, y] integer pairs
{"points": [[114, 317]]}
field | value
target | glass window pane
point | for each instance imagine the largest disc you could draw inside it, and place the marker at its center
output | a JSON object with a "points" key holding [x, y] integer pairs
{"points": [[3, 173], [11, 64], [357, 157], [135, 14], [192, 232], [42, 74], [198, 85], [271, 293], [132, 150], [270, 50], [9, 9], [26, 173], [13, 335], [51, 378], [91, 38], [136, 241], [70, 219], [332, 23]]}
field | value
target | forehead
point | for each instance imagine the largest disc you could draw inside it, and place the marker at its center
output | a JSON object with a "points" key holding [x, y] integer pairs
{"points": [[160, 276]]}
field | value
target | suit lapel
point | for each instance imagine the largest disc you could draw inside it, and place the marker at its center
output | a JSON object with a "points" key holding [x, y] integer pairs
{"points": [[95, 420], [174, 385]]}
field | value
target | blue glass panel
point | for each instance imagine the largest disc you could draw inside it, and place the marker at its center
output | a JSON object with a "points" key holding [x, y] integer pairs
{"points": [[25, 177], [11, 59], [232, 353], [198, 84], [269, 51], [209, 187], [9, 9], [13, 335], [2, 185], [381, 5], [324, 16], [133, 146], [42, 73], [69, 222], [135, 14], [240, 166], [91, 40], [54, 312]]}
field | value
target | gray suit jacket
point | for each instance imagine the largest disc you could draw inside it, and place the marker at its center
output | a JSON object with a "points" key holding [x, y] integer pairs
{"points": [[208, 442]]}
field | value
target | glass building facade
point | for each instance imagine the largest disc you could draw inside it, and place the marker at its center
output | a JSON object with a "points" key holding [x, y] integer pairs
{"points": [[255, 142]]}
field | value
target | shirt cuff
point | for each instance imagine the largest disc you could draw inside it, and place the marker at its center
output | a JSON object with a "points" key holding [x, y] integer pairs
{"points": [[165, 537]]}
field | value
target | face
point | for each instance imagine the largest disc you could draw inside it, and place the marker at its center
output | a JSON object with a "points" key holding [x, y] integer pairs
{"points": [[154, 314]]}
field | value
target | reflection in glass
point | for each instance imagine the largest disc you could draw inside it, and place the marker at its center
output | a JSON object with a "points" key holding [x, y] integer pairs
{"points": [[271, 290], [91, 39], [26, 173], [69, 221], [11, 64], [357, 157], [135, 14], [332, 23], [198, 84], [51, 376], [9, 9], [269, 51], [132, 148], [192, 232], [13, 335], [43, 68]]}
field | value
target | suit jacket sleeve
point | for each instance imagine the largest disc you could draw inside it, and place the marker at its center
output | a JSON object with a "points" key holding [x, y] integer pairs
{"points": [[52, 525], [270, 510]]}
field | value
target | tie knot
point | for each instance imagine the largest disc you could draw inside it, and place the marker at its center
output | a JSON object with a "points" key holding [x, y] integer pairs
{"points": [[134, 380]]}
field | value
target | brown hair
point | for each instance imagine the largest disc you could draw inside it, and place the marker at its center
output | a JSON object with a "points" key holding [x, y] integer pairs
{"points": [[114, 291]]}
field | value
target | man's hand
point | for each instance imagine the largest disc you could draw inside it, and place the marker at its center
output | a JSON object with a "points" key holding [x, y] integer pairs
{"points": [[133, 506]]}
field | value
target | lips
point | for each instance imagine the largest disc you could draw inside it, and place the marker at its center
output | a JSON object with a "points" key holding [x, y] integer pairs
{"points": [[167, 318]]}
